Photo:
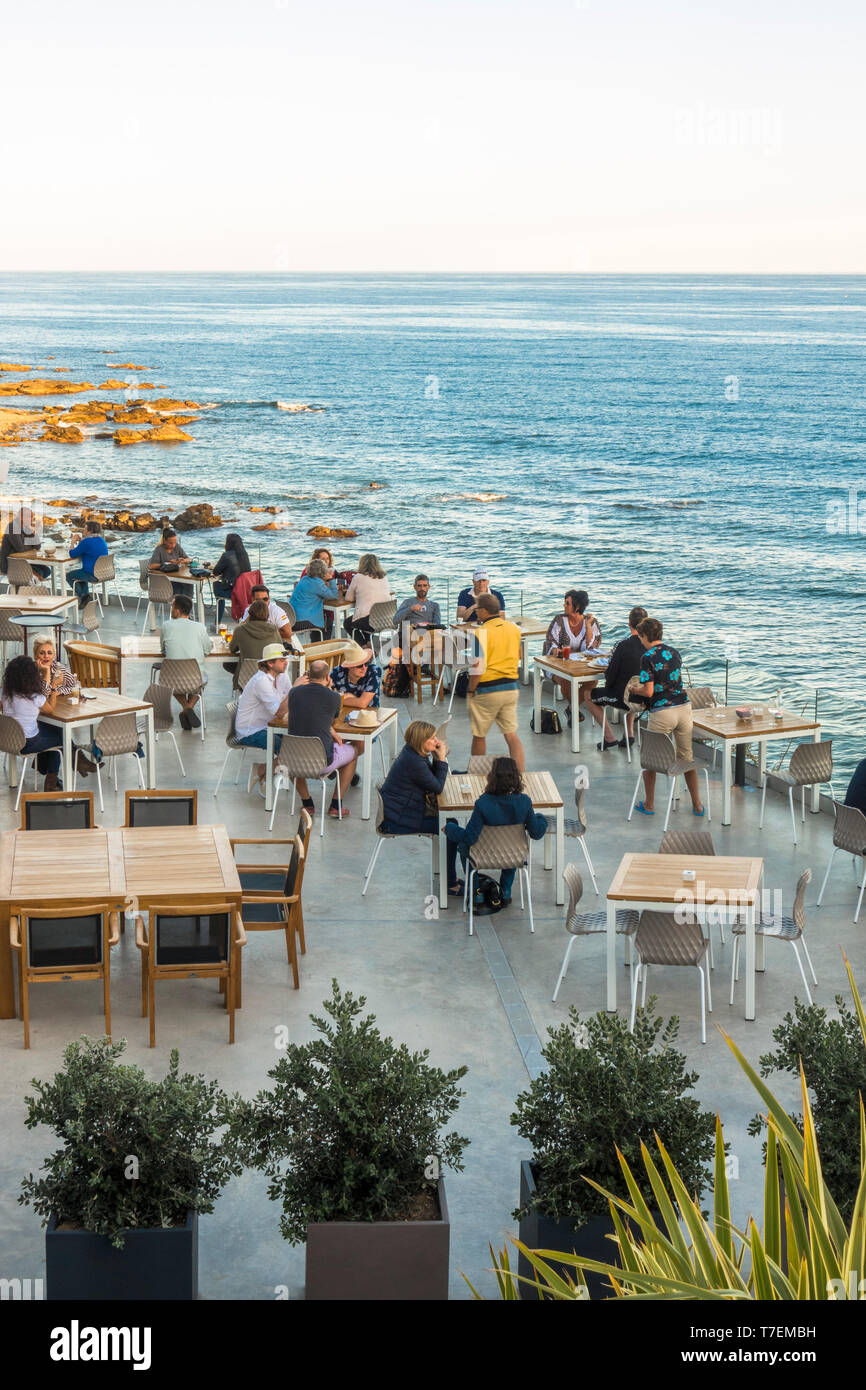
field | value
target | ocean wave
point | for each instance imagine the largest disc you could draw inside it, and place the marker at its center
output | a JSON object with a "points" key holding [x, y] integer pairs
{"points": [[663, 503], [474, 497]]}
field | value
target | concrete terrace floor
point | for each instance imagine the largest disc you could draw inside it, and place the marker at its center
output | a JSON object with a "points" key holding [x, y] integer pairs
{"points": [[428, 984]]}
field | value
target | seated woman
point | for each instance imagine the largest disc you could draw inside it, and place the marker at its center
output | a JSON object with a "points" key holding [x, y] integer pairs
{"points": [[369, 586], [23, 698], [418, 772], [503, 802], [233, 562], [59, 679], [572, 630], [308, 594], [250, 637], [322, 553]]}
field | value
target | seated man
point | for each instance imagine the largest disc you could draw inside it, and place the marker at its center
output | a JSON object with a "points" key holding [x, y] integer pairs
{"points": [[624, 663], [87, 549], [467, 599], [276, 615], [23, 533], [420, 611], [182, 639], [264, 698], [313, 710], [357, 679]]}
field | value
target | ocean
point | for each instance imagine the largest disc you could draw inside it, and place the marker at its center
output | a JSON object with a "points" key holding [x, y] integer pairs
{"points": [[691, 443]]}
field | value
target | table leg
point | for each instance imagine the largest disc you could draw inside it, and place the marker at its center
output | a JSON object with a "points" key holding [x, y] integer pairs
{"points": [[548, 851], [365, 769], [726, 783], [536, 698], [560, 855], [269, 770], [762, 761], [443, 866], [611, 956], [750, 962], [7, 980], [67, 757], [575, 717], [150, 748], [395, 729]]}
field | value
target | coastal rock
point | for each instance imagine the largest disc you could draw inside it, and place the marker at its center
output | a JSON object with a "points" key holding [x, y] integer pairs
{"points": [[71, 434], [91, 496], [14, 367], [297, 407], [61, 502], [126, 366], [377, 485], [136, 416], [80, 415], [197, 518], [272, 510], [169, 403], [146, 386], [41, 386], [162, 434], [272, 526], [330, 532], [18, 425], [61, 369], [112, 385], [182, 419]]}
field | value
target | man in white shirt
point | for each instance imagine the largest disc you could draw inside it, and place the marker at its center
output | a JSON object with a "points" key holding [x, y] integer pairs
{"points": [[275, 614], [183, 639], [264, 698]]}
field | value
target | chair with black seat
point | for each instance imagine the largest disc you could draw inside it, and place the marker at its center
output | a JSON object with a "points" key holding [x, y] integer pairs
{"points": [[303, 832], [161, 807], [190, 941], [57, 811], [588, 923], [811, 765], [58, 944], [272, 894]]}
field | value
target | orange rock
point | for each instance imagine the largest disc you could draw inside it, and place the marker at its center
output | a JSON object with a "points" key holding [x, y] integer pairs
{"points": [[126, 366], [182, 419], [70, 435], [84, 417], [14, 367], [112, 385], [272, 526], [168, 403], [61, 369], [40, 386], [134, 416], [146, 386], [265, 509], [163, 434], [323, 532]]}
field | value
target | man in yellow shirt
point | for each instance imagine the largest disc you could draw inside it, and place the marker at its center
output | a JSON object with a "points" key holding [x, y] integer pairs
{"points": [[493, 687]]}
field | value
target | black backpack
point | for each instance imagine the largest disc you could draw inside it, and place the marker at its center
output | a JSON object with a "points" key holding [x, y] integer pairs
{"points": [[550, 722], [486, 895], [462, 687]]}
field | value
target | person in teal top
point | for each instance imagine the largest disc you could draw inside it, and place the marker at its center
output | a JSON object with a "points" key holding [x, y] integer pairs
{"points": [[308, 593], [88, 549]]}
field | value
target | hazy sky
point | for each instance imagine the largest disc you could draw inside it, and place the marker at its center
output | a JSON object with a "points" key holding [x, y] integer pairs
{"points": [[491, 135]]}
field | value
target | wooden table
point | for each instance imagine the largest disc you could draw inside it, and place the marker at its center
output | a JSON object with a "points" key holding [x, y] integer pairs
{"points": [[458, 797], [58, 563], [136, 650], [68, 716], [579, 672], [388, 723], [721, 724], [34, 604], [337, 607], [129, 868], [193, 581], [655, 882]]}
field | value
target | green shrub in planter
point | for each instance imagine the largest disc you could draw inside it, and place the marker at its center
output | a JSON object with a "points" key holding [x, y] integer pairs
{"points": [[834, 1061], [135, 1153], [606, 1088], [352, 1129]]}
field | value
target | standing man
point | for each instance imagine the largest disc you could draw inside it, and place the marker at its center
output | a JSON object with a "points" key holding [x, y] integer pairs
{"points": [[467, 599], [87, 549], [493, 689], [264, 698], [314, 708], [183, 639]]}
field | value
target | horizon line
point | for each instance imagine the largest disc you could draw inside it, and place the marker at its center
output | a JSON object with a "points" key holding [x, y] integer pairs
{"points": [[490, 274]]}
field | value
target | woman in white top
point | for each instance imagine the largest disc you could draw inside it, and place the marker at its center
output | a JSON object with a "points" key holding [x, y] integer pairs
{"points": [[23, 699], [572, 631], [368, 587]]}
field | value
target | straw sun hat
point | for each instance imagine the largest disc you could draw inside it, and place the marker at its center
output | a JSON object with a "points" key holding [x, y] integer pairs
{"points": [[367, 719], [355, 655]]}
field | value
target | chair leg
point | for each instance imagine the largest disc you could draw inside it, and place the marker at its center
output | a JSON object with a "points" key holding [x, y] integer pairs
{"points": [[793, 816], [802, 971], [106, 999], [809, 959], [826, 876], [180, 759], [243, 753], [322, 817], [703, 980], [278, 782], [644, 974], [151, 1007], [635, 982], [564, 966], [735, 957], [119, 598], [292, 953], [371, 866], [470, 893], [138, 764], [670, 803], [634, 798], [583, 845], [707, 786], [528, 899], [25, 1004], [24, 762], [860, 899]]}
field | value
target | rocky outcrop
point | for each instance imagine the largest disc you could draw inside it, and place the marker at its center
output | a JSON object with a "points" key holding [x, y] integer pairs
{"points": [[272, 510], [71, 434], [197, 518], [41, 386], [166, 433], [322, 533], [273, 526], [169, 403], [14, 367], [18, 425], [81, 415], [112, 385], [126, 367], [137, 415], [146, 386]]}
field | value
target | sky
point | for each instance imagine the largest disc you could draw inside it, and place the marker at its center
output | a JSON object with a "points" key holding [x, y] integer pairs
{"points": [[485, 136]]}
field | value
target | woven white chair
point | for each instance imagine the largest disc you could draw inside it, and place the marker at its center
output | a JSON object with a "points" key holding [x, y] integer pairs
{"points": [[849, 835], [788, 929], [89, 624], [12, 740], [159, 595], [233, 744], [104, 574], [694, 842], [19, 574], [143, 582], [588, 923], [163, 718], [499, 847], [811, 765], [658, 754], [184, 677], [577, 829], [383, 835], [303, 757], [116, 736], [661, 940], [9, 632]]}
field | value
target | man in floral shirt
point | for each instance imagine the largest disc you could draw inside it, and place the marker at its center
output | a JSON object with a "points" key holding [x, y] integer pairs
{"points": [[661, 689]]}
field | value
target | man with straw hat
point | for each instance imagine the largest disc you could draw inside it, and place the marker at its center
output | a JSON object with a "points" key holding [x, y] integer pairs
{"points": [[357, 679], [264, 698]]}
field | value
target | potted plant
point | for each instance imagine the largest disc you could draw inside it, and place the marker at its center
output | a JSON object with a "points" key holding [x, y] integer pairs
{"points": [[351, 1140], [605, 1089], [139, 1160]]}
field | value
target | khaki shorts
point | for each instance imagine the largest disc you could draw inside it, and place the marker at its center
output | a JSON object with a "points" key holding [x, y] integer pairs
{"points": [[495, 707], [676, 720]]}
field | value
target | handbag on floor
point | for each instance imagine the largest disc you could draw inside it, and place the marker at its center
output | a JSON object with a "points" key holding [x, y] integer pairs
{"points": [[550, 722]]}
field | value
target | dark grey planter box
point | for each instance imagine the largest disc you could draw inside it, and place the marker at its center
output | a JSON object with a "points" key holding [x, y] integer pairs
{"points": [[380, 1260], [540, 1232], [160, 1263]]}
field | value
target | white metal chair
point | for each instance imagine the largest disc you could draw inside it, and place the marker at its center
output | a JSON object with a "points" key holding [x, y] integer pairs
{"points": [[143, 582], [159, 595], [303, 757], [380, 621], [788, 929], [577, 829], [89, 624], [184, 677], [233, 744], [499, 847], [163, 719], [588, 923], [12, 740], [658, 754], [811, 765], [104, 574], [849, 835], [383, 835], [661, 940], [460, 661], [703, 697], [116, 736], [693, 842]]}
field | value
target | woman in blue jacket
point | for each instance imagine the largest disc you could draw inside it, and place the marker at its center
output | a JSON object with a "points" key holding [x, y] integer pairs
{"points": [[503, 802], [418, 773]]}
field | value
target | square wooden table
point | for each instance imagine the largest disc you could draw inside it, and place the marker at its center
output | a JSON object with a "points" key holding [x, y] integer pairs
{"points": [[183, 576], [720, 723], [388, 723], [58, 564], [136, 651], [458, 797], [129, 868], [655, 882], [68, 717], [579, 672], [37, 603]]}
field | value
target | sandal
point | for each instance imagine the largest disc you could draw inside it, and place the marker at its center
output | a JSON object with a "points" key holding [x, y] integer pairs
{"points": [[701, 812], [309, 805], [608, 743], [643, 810], [455, 890], [334, 810]]}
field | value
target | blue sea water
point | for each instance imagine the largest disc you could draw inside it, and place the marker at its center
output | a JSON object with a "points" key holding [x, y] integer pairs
{"points": [[686, 442]]}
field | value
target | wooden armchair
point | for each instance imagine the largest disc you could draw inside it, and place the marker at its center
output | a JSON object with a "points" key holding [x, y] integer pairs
{"points": [[65, 943], [272, 895], [188, 941]]}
